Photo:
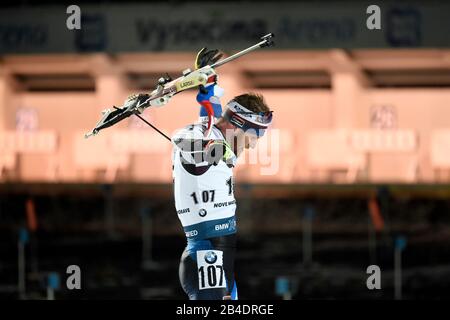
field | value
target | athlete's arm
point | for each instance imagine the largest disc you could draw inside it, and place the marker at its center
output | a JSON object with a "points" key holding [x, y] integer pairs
{"points": [[209, 98], [209, 95], [197, 150]]}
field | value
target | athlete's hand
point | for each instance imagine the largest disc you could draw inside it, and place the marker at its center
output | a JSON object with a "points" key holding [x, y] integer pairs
{"points": [[135, 98], [206, 57], [217, 150], [209, 95]]}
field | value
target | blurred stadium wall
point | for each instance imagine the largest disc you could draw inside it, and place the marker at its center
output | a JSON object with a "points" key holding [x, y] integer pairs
{"points": [[379, 113], [362, 129]]}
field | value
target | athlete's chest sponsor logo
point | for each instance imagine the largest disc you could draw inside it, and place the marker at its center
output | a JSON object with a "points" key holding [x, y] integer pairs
{"points": [[222, 226], [229, 225], [224, 204], [191, 233], [181, 211]]}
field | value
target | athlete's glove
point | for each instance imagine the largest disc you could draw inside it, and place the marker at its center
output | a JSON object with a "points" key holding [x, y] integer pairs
{"points": [[210, 94], [216, 150], [206, 57], [136, 98]]}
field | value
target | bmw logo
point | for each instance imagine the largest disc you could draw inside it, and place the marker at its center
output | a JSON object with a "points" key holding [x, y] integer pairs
{"points": [[210, 257], [202, 212]]}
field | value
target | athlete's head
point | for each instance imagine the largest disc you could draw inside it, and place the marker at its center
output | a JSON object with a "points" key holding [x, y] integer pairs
{"points": [[245, 119]]}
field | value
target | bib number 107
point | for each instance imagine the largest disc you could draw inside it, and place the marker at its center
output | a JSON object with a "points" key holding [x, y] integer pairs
{"points": [[211, 277], [207, 195], [210, 269]]}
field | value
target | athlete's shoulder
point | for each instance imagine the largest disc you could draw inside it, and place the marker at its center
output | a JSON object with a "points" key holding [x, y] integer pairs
{"points": [[197, 131], [191, 131], [190, 138]]}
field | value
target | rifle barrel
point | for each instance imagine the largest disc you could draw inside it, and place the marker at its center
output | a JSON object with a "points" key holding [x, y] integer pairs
{"points": [[266, 41]]}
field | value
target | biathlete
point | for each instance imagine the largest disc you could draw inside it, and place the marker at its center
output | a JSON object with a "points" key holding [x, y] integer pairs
{"points": [[203, 186]]}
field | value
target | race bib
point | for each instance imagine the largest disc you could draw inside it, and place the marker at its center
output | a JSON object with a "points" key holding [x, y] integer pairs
{"points": [[210, 269]]}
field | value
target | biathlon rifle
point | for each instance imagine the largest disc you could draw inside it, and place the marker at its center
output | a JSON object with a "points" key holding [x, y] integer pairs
{"points": [[167, 88]]}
